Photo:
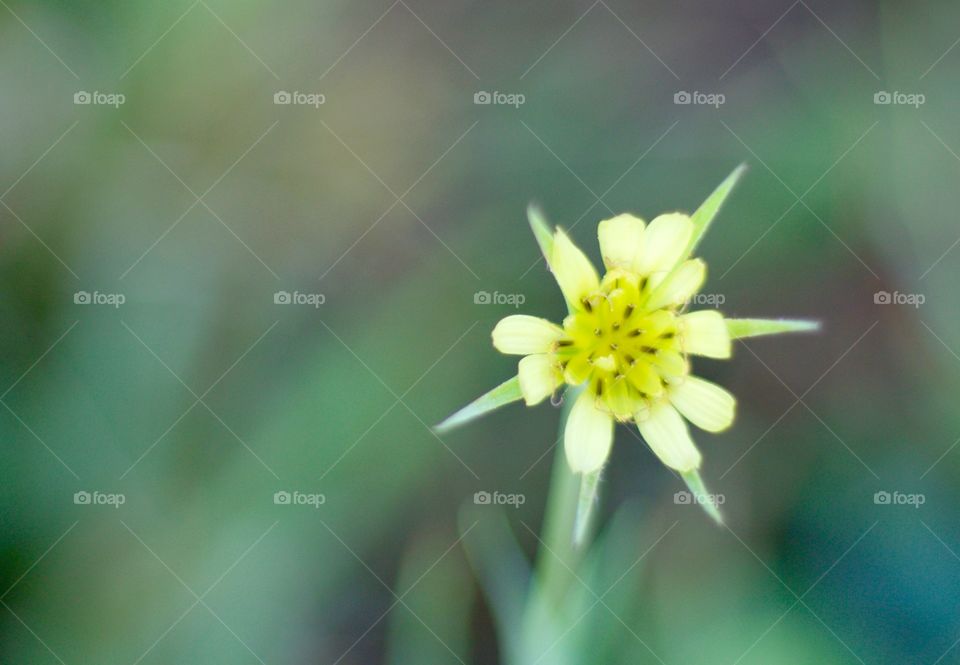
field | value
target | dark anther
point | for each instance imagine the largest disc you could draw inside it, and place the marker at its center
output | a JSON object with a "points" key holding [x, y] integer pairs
{"points": [[634, 333], [648, 349]]}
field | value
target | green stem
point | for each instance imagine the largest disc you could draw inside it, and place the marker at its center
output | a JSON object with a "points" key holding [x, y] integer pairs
{"points": [[558, 559]]}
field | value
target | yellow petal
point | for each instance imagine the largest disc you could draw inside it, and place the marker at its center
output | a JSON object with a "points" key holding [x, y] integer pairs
{"points": [[538, 378], [671, 364], [665, 432], [522, 335], [705, 333], [573, 271], [619, 399], [664, 243], [680, 285], [587, 436], [620, 240], [645, 379], [705, 404]]}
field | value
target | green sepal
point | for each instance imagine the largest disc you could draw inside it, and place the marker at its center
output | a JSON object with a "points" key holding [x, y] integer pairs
{"points": [[541, 230], [705, 214], [586, 502], [699, 491], [739, 328], [505, 393]]}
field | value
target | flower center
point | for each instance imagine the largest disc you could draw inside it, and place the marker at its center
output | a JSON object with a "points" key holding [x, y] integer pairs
{"points": [[625, 351]]}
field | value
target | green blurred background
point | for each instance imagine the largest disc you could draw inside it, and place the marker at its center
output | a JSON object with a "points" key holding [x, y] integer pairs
{"points": [[394, 202]]}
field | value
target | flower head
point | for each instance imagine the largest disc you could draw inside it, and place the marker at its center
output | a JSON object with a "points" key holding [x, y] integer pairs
{"points": [[627, 339]]}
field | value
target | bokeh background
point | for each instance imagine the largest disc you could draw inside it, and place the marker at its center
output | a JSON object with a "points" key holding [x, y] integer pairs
{"points": [[394, 202]]}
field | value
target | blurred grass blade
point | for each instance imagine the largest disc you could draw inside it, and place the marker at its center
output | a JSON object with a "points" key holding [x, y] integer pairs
{"points": [[441, 600], [701, 496], [705, 214], [589, 484], [501, 568], [755, 327], [506, 392], [541, 230]]}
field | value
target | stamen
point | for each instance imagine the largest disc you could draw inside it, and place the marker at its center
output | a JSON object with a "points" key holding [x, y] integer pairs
{"points": [[634, 333], [628, 311], [586, 305], [565, 342], [648, 349]]}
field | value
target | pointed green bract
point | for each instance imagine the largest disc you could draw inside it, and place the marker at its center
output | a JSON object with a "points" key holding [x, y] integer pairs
{"points": [[541, 230], [506, 392], [705, 499], [739, 328], [587, 501], [708, 209]]}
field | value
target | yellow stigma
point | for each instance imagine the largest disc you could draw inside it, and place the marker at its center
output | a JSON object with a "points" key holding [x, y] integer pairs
{"points": [[626, 351]]}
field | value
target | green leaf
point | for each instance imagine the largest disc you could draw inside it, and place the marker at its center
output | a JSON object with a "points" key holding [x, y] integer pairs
{"points": [[699, 490], [506, 392], [501, 568], [755, 327], [541, 230], [704, 215]]}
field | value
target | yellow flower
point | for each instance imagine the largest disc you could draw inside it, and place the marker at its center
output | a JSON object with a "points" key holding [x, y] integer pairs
{"points": [[627, 340]]}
